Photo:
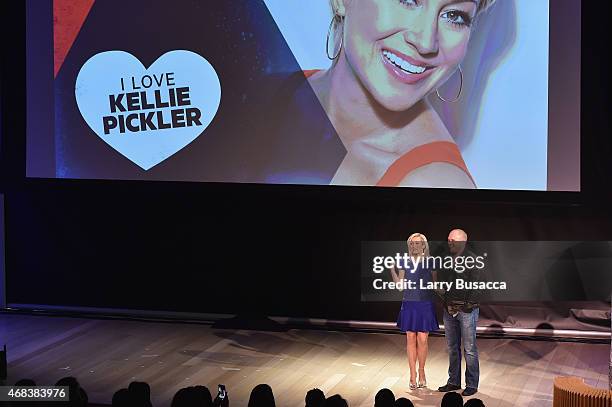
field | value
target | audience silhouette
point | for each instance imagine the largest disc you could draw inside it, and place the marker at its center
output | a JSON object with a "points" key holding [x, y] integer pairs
{"points": [[138, 394], [403, 402], [452, 399], [78, 396], [141, 394], [384, 398], [122, 398], [335, 401], [25, 382], [262, 396], [315, 398]]}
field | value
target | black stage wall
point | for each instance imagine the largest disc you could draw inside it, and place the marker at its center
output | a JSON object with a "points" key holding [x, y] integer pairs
{"points": [[273, 249]]}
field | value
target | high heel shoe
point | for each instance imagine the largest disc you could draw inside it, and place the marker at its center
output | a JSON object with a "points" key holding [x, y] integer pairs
{"points": [[422, 383], [413, 386]]}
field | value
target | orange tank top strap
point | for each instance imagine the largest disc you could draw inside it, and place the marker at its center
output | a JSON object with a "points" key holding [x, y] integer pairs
{"points": [[438, 151], [309, 72]]}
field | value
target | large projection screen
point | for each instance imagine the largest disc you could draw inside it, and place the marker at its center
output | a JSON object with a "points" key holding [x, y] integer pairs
{"points": [[391, 93]]}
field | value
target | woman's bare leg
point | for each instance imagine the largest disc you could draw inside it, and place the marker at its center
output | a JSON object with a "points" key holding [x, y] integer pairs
{"points": [[422, 349], [411, 347]]}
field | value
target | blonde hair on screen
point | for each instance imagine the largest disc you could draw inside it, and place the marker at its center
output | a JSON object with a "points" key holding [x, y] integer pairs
{"points": [[482, 6]]}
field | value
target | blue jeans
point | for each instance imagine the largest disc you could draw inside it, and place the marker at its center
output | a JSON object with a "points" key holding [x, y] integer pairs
{"points": [[462, 326]]}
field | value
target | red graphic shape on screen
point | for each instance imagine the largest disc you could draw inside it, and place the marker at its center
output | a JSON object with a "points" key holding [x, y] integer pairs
{"points": [[68, 18]]}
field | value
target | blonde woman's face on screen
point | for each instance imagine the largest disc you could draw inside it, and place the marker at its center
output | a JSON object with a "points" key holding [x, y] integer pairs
{"points": [[401, 50]]}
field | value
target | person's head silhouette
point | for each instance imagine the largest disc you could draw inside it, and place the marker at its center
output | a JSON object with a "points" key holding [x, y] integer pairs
{"points": [[384, 398], [315, 398], [335, 401], [452, 399], [403, 402], [262, 396], [141, 394]]}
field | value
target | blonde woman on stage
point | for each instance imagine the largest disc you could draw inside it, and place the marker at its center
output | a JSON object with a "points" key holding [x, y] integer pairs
{"points": [[417, 316]]}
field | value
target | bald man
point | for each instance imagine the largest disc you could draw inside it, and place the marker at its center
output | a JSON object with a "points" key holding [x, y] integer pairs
{"points": [[461, 309]]}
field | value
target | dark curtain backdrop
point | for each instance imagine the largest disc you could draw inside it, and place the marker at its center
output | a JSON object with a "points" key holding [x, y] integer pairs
{"points": [[248, 248], [278, 250]]}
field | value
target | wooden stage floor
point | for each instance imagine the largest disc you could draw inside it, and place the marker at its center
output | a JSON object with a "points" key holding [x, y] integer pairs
{"points": [[105, 355]]}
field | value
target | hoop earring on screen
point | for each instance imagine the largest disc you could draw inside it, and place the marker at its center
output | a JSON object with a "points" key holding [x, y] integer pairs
{"points": [[460, 89], [331, 26]]}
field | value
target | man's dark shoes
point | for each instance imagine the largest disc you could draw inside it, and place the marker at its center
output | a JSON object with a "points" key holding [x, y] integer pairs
{"points": [[448, 387], [469, 391]]}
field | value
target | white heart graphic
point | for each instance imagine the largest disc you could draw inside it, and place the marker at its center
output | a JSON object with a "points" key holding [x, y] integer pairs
{"points": [[161, 109]]}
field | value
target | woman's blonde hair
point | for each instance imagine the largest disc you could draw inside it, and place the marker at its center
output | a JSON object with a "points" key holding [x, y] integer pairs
{"points": [[482, 6], [337, 20], [423, 238]]}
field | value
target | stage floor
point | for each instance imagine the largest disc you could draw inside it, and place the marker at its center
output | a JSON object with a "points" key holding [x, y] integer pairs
{"points": [[105, 355]]}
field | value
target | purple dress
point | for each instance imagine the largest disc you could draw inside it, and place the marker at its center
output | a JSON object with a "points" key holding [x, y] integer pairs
{"points": [[418, 313]]}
